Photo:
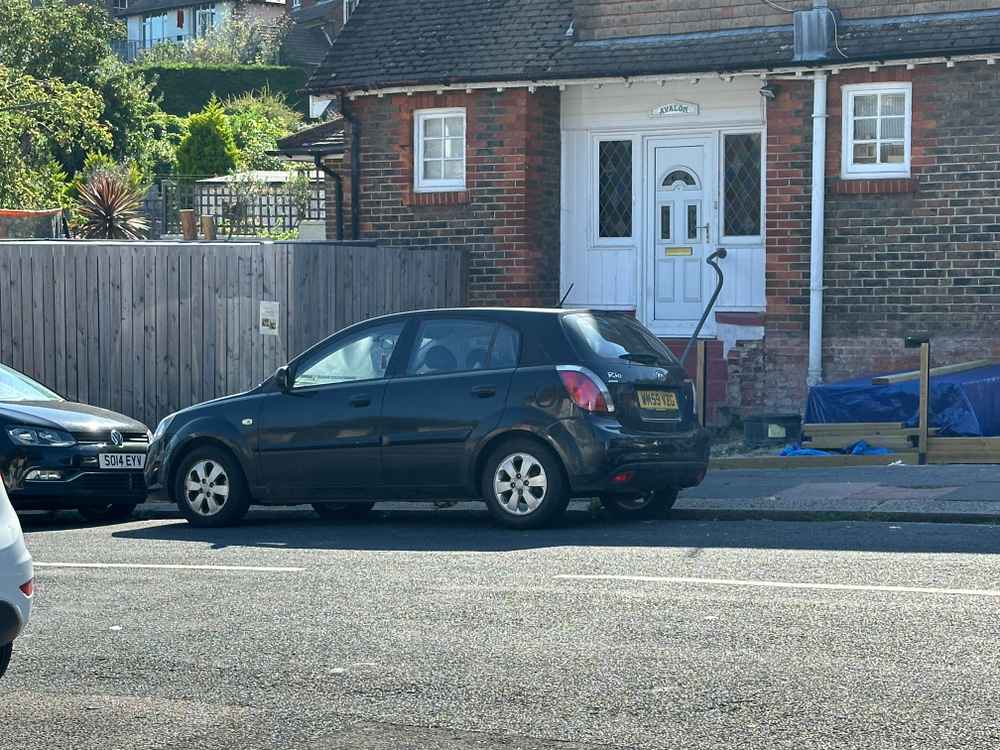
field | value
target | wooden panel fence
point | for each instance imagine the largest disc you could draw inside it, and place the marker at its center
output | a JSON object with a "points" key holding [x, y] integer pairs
{"points": [[148, 328]]}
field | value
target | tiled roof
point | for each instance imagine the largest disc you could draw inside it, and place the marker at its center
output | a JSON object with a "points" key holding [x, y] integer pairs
{"points": [[326, 139], [392, 42], [418, 42], [306, 46]]}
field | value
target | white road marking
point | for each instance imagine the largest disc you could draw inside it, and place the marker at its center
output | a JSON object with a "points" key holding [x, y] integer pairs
{"points": [[787, 585], [142, 566]]}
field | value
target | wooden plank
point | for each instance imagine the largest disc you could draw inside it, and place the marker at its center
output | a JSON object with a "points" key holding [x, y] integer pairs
{"points": [[281, 295], [247, 334], [835, 442], [83, 281], [902, 377], [184, 331], [162, 331], [114, 325], [149, 327], [171, 294], [269, 258], [97, 276], [127, 398], [70, 343], [14, 295], [198, 298], [138, 323], [258, 342], [221, 306], [34, 329], [860, 428], [59, 316], [5, 323], [232, 321], [814, 462], [925, 398], [47, 356]]}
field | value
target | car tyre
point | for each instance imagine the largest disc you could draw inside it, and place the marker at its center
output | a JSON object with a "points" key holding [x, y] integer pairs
{"points": [[210, 489], [111, 513], [5, 654], [524, 485], [342, 511], [640, 506]]}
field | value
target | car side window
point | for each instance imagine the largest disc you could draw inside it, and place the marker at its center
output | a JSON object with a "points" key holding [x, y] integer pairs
{"points": [[506, 348], [364, 356], [451, 345]]}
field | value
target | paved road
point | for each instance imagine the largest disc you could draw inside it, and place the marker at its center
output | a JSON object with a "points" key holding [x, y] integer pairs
{"points": [[434, 629]]}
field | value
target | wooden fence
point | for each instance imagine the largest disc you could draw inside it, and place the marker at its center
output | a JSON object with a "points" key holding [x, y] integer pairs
{"points": [[148, 328]]}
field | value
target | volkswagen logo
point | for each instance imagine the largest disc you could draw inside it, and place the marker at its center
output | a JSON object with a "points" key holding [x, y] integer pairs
{"points": [[117, 438]]}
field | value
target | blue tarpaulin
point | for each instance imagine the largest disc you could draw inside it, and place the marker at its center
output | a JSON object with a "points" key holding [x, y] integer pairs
{"points": [[962, 403]]}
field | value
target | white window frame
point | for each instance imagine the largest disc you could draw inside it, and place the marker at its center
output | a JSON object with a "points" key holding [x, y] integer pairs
{"points": [[205, 10], [851, 171], [744, 239], [422, 184], [596, 240]]}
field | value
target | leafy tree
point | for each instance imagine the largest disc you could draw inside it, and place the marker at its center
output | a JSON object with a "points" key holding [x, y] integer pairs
{"points": [[71, 43], [208, 149], [39, 119], [259, 120]]}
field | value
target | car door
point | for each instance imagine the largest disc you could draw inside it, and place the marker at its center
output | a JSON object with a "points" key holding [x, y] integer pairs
{"points": [[322, 438], [452, 391]]}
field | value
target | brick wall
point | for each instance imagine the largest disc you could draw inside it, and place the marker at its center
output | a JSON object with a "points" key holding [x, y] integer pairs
{"points": [[508, 216], [606, 19], [901, 256], [922, 257]]}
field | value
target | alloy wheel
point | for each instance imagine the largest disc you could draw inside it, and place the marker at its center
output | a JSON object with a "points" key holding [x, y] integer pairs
{"points": [[520, 484], [206, 488]]}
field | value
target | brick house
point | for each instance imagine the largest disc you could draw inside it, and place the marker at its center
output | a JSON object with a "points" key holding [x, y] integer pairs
{"points": [[847, 157]]}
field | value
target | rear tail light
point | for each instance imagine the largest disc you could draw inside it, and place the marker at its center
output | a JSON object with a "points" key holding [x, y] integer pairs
{"points": [[586, 389], [28, 588]]}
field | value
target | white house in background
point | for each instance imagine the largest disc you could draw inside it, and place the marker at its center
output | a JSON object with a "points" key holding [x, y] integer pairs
{"points": [[152, 22]]}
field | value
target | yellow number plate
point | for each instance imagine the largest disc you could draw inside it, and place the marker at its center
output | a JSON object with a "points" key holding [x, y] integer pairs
{"points": [[658, 400]]}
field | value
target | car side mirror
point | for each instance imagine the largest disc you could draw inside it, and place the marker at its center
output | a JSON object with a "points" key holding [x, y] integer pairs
{"points": [[283, 378]]}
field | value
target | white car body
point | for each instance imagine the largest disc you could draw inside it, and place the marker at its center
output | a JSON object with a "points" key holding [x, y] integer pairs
{"points": [[16, 578]]}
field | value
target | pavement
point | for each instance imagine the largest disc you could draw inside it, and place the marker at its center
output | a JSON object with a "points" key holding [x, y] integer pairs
{"points": [[419, 629], [961, 494]]}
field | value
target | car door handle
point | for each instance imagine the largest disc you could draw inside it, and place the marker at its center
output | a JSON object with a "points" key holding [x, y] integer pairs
{"points": [[359, 402], [484, 391]]}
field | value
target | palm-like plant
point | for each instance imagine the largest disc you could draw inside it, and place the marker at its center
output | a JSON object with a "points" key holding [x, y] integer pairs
{"points": [[108, 205]]}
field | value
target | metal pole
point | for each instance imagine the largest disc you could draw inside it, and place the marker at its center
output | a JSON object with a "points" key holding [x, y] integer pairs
{"points": [[711, 260]]}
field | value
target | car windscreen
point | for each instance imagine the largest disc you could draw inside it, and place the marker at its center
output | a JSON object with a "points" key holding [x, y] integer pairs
{"points": [[17, 387], [616, 337]]}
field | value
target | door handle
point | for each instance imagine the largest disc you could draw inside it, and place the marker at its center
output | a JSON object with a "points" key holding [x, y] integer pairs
{"points": [[359, 402], [484, 391]]}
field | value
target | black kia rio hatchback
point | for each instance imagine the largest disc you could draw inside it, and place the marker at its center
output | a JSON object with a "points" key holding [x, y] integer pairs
{"points": [[522, 408]]}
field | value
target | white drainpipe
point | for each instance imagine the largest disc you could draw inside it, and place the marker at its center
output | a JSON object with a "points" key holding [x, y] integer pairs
{"points": [[817, 232]]}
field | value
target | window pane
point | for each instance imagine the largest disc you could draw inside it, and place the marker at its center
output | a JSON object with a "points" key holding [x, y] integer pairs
{"points": [[455, 125], [614, 188], [893, 128], [451, 346], [893, 153], [665, 229], [433, 148], [893, 104], [742, 185], [365, 357], [864, 153], [866, 129], [453, 169], [692, 217], [610, 335], [432, 170], [506, 348], [432, 127], [454, 147], [678, 176], [866, 105]]}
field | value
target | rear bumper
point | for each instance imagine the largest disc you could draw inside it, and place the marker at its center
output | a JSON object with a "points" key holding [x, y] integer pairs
{"points": [[10, 623], [603, 456]]}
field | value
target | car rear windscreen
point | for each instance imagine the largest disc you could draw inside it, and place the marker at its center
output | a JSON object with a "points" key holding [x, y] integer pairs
{"points": [[616, 337]]}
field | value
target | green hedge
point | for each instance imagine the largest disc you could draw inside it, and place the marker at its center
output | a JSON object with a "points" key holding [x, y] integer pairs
{"points": [[187, 88]]}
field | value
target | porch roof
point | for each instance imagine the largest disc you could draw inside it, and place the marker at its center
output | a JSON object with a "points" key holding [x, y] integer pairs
{"points": [[399, 43], [325, 139]]}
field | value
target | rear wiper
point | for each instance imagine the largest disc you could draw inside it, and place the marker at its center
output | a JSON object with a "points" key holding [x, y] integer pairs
{"points": [[646, 359]]}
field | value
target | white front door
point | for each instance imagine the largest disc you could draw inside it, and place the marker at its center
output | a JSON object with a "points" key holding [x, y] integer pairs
{"points": [[681, 230]]}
